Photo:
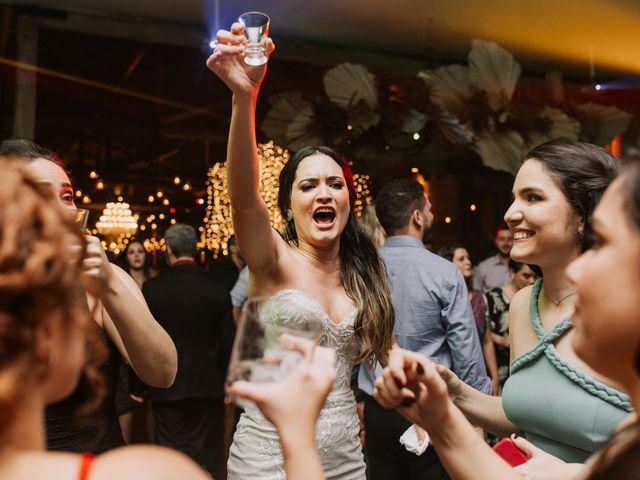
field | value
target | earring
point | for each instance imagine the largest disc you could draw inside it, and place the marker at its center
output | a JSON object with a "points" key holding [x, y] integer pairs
{"points": [[289, 215]]}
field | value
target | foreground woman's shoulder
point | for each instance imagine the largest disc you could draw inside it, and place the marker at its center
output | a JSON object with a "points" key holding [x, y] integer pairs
{"points": [[142, 462]]}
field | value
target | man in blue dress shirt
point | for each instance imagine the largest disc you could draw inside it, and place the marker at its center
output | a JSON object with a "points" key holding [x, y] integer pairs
{"points": [[433, 317]]}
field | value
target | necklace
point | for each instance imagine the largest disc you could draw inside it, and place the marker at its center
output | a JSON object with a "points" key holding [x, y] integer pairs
{"points": [[557, 302]]}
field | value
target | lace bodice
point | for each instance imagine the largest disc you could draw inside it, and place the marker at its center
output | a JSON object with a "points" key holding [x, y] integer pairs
{"points": [[255, 452]]}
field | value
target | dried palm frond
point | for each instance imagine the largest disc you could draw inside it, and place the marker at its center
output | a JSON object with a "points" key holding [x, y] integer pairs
{"points": [[500, 150], [349, 84], [284, 108], [451, 87], [602, 122], [494, 70]]}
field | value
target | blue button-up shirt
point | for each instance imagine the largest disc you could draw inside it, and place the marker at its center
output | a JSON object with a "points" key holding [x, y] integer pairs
{"points": [[433, 312]]}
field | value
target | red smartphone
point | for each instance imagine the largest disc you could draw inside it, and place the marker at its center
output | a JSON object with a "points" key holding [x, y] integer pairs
{"points": [[509, 452]]}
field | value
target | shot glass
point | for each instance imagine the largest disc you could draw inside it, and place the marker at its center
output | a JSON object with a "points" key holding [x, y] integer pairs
{"points": [[256, 29], [81, 218]]}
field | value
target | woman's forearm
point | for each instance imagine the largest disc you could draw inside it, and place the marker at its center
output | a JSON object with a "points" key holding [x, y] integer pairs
{"points": [[465, 455], [243, 166], [141, 339], [485, 411], [301, 460]]}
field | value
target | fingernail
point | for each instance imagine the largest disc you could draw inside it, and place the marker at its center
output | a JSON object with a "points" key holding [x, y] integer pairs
{"points": [[399, 384], [420, 369], [407, 402], [513, 436]]}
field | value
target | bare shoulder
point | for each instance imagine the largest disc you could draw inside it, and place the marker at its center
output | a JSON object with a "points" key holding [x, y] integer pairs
{"points": [[146, 462], [520, 330]]}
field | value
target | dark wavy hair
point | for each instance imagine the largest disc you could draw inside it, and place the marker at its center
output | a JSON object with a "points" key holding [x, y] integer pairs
{"points": [[620, 458], [124, 262], [37, 279], [362, 273], [582, 171], [28, 150]]}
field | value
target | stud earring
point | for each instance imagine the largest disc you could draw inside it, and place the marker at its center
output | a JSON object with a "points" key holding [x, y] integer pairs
{"points": [[289, 215]]}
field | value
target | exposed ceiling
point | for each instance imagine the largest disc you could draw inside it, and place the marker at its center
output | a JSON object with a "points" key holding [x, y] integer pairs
{"points": [[130, 97], [580, 37]]}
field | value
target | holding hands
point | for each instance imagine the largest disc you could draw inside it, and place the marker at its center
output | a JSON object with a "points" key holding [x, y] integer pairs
{"points": [[227, 61], [413, 385]]}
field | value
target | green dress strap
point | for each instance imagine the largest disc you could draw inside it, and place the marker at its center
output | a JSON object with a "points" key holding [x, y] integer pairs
{"points": [[546, 347]]}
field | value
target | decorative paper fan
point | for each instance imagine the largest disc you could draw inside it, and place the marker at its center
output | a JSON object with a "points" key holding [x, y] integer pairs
{"points": [[493, 70], [348, 84], [602, 123], [300, 130], [285, 107], [500, 151], [452, 87]]}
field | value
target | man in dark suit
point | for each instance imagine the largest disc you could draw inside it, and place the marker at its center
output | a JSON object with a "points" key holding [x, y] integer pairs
{"points": [[195, 310]]}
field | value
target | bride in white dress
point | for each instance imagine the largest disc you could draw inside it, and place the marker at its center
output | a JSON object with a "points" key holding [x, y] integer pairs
{"points": [[325, 264]]}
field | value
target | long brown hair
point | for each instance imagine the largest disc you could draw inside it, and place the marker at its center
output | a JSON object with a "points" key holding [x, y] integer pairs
{"points": [[620, 458], [37, 279], [362, 273]]}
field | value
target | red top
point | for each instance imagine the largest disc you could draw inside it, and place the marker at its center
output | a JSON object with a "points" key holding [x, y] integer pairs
{"points": [[86, 459]]}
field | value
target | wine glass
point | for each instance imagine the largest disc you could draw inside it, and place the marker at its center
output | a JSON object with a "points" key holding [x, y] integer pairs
{"points": [[257, 354], [256, 29]]}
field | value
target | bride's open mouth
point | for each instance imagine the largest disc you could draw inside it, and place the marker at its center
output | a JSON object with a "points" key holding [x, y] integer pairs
{"points": [[324, 216]]}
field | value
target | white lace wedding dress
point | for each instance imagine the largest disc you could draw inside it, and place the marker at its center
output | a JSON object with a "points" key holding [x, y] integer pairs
{"points": [[255, 452]]}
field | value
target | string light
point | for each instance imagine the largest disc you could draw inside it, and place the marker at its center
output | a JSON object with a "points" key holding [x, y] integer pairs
{"points": [[93, 174], [78, 193], [187, 186], [86, 199], [159, 194], [176, 180], [150, 199], [447, 220], [473, 207], [218, 226], [100, 185], [165, 201]]}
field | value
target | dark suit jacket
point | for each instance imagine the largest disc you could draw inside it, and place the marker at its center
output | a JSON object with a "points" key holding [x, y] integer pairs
{"points": [[195, 310]]}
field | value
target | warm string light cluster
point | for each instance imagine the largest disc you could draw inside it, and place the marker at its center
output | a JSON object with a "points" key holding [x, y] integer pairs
{"points": [[217, 222], [363, 194], [218, 226]]}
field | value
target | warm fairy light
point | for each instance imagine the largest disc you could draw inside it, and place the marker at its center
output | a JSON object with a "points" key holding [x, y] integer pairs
{"points": [[99, 185], [93, 174], [416, 136], [447, 219], [363, 194], [151, 244], [143, 228], [86, 199], [217, 221], [159, 194], [150, 199], [473, 207], [165, 201], [161, 216], [78, 193], [120, 199], [187, 186], [173, 221], [116, 223], [414, 170], [176, 180], [218, 226]]}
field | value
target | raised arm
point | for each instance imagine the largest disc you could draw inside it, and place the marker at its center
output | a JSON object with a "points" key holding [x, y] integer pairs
{"points": [[256, 238], [141, 340]]}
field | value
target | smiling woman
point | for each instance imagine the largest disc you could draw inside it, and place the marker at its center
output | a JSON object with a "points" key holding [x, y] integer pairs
{"points": [[325, 263]]}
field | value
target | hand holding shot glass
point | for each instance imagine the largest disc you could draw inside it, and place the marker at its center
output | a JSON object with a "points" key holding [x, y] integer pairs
{"points": [[259, 351], [256, 29]]}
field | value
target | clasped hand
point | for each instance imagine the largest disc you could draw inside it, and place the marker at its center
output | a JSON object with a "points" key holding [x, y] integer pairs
{"points": [[413, 385]]}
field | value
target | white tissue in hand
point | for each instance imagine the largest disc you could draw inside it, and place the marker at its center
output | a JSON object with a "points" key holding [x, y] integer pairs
{"points": [[410, 441]]}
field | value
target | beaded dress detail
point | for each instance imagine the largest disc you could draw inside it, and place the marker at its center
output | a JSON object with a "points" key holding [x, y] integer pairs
{"points": [[255, 452]]}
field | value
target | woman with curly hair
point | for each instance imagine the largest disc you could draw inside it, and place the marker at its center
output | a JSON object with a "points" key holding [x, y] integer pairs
{"points": [[45, 327]]}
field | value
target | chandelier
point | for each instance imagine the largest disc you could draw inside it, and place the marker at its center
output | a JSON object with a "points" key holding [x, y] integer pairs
{"points": [[116, 221]]}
